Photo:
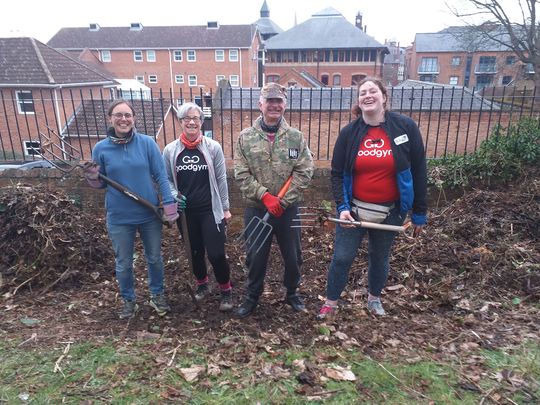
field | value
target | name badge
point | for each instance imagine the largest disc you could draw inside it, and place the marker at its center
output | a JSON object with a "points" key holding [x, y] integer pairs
{"points": [[401, 139], [293, 153]]}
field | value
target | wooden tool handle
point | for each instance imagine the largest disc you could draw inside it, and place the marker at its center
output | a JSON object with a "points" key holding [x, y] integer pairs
{"points": [[372, 225], [135, 197]]}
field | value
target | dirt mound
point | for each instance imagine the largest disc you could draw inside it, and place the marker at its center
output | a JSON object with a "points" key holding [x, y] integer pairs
{"points": [[48, 240]]}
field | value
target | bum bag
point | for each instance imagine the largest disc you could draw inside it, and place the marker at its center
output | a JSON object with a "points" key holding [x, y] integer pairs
{"points": [[370, 212]]}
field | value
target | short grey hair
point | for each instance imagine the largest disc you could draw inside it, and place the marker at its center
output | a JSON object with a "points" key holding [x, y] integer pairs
{"points": [[184, 109]]}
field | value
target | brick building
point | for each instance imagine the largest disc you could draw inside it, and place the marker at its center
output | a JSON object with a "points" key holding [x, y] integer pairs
{"points": [[327, 48], [461, 56], [185, 59], [34, 81]]}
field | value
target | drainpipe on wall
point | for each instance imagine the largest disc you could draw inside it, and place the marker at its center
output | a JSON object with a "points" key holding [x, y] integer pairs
{"points": [[59, 124], [241, 84], [171, 74]]}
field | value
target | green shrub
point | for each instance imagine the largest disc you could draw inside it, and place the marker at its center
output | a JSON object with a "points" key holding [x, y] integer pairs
{"points": [[502, 156]]}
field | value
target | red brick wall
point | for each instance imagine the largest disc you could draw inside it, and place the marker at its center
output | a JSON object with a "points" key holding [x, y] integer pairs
{"points": [[52, 109], [205, 67], [346, 70], [91, 199], [443, 133], [446, 70]]}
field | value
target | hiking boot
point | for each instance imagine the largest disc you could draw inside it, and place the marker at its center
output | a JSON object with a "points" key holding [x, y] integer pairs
{"points": [[201, 291], [246, 308], [128, 310], [295, 302], [375, 307], [327, 311], [159, 303], [225, 303]]}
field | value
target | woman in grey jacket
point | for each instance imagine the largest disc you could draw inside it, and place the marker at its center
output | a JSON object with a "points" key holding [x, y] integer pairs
{"points": [[197, 175]]}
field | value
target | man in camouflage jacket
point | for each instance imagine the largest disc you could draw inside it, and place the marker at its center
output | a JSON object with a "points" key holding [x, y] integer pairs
{"points": [[266, 155]]}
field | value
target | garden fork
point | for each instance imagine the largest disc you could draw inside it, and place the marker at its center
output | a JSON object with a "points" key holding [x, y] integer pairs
{"points": [[316, 217], [67, 166], [258, 230]]}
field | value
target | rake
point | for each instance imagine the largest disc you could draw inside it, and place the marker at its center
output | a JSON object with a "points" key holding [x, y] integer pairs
{"points": [[67, 166], [317, 217], [258, 230]]}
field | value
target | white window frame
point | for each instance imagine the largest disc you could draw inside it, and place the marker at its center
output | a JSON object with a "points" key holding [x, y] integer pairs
{"points": [[152, 79], [105, 56], [150, 55], [234, 80], [30, 148], [456, 61], [453, 81], [25, 101], [138, 56], [219, 78], [192, 80], [219, 55], [429, 64], [140, 78], [233, 55], [177, 55], [179, 79], [336, 77], [191, 55]]}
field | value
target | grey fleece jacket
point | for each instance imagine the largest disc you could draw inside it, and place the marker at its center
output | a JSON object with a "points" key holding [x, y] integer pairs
{"points": [[217, 172]]}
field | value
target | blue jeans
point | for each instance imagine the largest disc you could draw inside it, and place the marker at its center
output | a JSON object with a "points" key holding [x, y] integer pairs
{"points": [[346, 246], [123, 242]]}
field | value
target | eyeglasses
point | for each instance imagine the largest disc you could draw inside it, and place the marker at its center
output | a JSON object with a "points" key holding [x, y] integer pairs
{"points": [[122, 115], [188, 119]]}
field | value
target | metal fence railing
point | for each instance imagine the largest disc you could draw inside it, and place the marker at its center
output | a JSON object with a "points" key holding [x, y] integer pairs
{"points": [[453, 120]]}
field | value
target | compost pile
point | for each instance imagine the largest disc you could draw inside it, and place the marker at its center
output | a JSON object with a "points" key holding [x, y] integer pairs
{"points": [[48, 240], [471, 281], [487, 240]]}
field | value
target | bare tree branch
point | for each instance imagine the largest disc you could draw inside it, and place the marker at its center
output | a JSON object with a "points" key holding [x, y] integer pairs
{"points": [[521, 38]]}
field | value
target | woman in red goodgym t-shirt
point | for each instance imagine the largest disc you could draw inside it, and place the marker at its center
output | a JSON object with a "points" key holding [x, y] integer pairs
{"points": [[378, 159]]}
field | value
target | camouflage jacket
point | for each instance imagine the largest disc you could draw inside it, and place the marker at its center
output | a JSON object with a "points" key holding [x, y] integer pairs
{"points": [[261, 166]]}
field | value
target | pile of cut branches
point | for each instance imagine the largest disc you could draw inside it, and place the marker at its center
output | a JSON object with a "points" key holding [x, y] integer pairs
{"points": [[488, 240], [47, 239]]}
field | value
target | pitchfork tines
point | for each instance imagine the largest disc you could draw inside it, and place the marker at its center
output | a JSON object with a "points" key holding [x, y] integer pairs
{"points": [[258, 230], [63, 154]]}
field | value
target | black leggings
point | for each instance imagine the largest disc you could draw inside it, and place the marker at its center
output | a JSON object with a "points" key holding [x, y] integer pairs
{"points": [[205, 237]]}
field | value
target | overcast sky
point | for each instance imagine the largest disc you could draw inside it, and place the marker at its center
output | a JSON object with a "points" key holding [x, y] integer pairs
{"points": [[399, 20]]}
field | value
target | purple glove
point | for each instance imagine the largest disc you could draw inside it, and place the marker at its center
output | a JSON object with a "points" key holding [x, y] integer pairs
{"points": [[170, 213], [91, 173], [91, 170]]}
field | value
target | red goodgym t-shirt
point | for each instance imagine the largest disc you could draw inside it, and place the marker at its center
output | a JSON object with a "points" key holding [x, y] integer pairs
{"points": [[374, 176]]}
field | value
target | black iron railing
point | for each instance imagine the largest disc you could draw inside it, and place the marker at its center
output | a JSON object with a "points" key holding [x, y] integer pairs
{"points": [[453, 120]]}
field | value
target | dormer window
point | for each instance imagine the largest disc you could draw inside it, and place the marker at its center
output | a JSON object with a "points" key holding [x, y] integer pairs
{"points": [[135, 27], [212, 25], [94, 27]]}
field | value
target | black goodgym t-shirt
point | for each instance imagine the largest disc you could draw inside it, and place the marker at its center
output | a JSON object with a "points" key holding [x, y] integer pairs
{"points": [[192, 179]]}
